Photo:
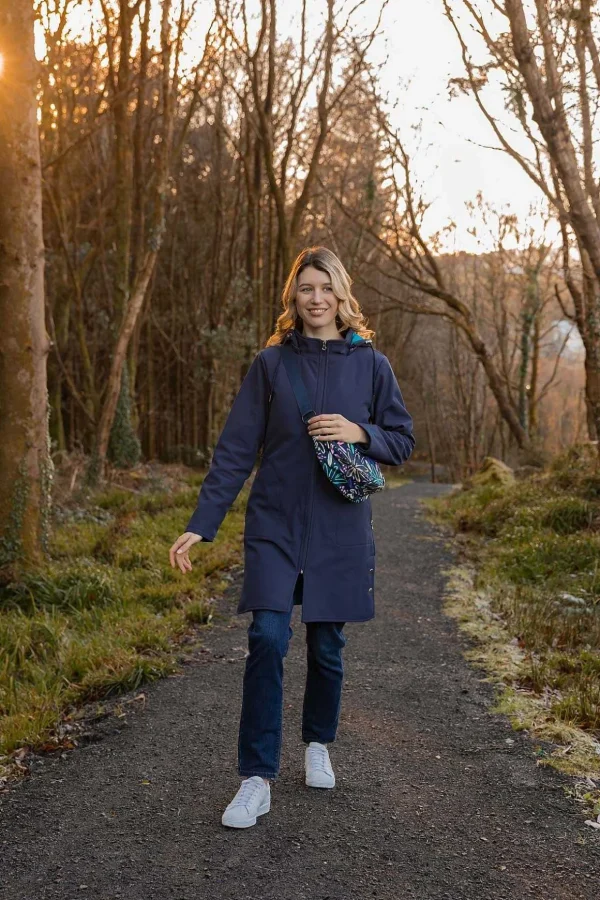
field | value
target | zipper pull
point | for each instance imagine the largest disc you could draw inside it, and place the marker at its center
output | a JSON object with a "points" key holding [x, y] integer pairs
{"points": [[324, 347]]}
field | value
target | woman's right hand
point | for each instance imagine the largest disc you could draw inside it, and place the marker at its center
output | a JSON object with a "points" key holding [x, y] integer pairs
{"points": [[180, 550]]}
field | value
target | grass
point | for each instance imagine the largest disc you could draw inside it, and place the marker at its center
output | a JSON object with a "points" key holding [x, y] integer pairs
{"points": [[105, 612], [528, 593]]}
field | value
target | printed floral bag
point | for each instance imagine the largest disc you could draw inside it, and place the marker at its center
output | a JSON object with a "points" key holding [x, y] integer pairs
{"points": [[350, 471]]}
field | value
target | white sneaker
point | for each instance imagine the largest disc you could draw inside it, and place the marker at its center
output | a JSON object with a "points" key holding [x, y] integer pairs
{"points": [[252, 799], [317, 764]]}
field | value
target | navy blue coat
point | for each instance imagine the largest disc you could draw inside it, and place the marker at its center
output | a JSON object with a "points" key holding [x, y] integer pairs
{"points": [[296, 520]]}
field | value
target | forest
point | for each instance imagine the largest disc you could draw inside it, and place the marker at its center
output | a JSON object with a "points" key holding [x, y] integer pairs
{"points": [[162, 164]]}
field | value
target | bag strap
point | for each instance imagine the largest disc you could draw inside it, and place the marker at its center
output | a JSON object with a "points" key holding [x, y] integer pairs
{"points": [[372, 404], [290, 361]]}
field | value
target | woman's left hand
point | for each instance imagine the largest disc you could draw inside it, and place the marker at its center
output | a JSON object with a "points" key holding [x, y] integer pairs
{"points": [[333, 427]]}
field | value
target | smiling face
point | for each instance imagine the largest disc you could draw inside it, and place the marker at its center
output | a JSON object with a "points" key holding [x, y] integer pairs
{"points": [[315, 301]]}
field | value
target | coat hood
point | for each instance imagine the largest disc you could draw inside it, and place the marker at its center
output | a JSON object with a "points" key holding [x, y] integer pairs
{"points": [[303, 344]]}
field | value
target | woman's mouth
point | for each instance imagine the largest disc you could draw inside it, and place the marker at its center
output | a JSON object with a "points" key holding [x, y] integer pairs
{"points": [[317, 312]]}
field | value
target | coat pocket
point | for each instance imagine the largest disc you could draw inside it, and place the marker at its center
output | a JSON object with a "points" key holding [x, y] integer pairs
{"points": [[353, 525], [263, 511]]}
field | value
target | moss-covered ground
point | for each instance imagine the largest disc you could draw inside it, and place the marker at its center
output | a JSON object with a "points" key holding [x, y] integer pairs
{"points": [[527, 591]]}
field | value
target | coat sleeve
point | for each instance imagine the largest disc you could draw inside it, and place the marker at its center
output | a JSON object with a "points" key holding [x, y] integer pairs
{"points": [[391, 438], [235, 452]]}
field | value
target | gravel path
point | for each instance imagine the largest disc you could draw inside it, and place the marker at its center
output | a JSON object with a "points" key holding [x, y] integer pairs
{"points": [[431, 802]]}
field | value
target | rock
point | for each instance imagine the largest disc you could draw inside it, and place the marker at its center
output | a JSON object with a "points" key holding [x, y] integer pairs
{"points": [[492, 471]]}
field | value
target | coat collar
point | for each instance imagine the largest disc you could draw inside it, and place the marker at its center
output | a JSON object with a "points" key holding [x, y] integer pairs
{"points": [[346, 344]]}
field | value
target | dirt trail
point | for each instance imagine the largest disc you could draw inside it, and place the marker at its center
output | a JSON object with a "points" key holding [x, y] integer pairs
{"points": [[431, 802]]}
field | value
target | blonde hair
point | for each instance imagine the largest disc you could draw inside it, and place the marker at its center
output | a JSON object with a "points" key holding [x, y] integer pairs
{"points": [[349, 312]]}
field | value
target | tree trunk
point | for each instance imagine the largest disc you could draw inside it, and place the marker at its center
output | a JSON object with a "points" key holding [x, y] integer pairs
{"points": [[133, 298], [25, 463]]}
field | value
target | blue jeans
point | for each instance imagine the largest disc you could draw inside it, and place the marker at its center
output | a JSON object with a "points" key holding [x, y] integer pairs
{"points": [[269, 633]]}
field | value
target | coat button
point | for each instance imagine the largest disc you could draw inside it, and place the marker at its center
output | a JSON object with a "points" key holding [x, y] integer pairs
{"points": [[370, 570], [370, 589]]}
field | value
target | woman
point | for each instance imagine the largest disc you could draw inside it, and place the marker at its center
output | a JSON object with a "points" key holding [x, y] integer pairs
{"points": [[304, 543]]}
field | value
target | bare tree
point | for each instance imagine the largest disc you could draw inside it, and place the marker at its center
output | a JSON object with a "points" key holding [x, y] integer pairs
{"points": [[549, 67], [286, 134], [409, 259], [135, 136], [25, 463]]}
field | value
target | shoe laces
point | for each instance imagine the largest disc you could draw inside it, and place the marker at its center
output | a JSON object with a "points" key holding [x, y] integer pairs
{"points": [[319, 758], [246, 792]]}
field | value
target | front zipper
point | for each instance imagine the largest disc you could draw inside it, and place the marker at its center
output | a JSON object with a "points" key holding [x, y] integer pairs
{"points": [[307, 530], [304, 548]]}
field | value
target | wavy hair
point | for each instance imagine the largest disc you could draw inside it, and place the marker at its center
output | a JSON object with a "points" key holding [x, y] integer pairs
{"points": [[349, 313]]}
